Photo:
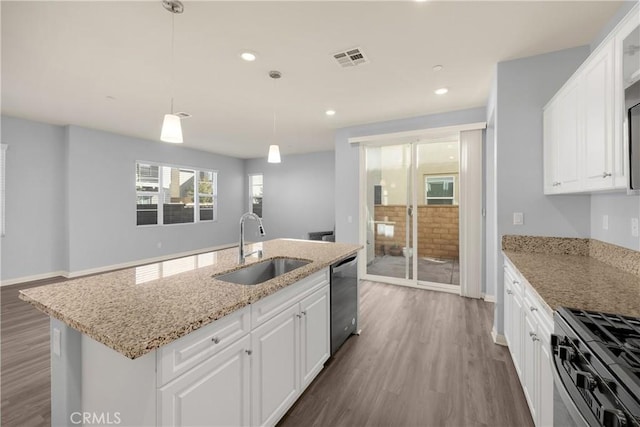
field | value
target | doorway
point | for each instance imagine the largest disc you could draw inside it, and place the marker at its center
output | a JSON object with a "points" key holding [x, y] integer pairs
{"points": [[413, 221]]}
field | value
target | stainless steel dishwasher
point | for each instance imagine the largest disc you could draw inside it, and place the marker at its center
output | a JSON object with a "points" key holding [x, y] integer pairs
{"points": [[344, 301]]}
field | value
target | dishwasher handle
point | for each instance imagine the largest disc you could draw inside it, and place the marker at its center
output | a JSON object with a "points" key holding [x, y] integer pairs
{"points": [[342, 264]]}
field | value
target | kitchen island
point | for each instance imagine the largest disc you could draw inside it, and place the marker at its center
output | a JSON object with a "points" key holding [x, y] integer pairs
{"points": [[168, 343]]}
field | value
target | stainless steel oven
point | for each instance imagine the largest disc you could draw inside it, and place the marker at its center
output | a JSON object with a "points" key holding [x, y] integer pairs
{"points": [[596, 358]]}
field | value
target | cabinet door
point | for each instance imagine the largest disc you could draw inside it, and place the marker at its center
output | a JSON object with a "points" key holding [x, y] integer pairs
{"points": [[515, 317], [275, 382], [214, 393], [314, 337], [545, 378], [568, 149], [529, 361], [550, 148], [597, 120]]}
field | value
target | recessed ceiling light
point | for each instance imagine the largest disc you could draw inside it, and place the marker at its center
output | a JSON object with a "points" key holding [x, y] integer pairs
{"points": [[248, 56], [437, 67], [441, 91], [330, 112]]}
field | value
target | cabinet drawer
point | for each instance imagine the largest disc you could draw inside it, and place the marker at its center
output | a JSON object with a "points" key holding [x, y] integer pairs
{"points": [[533, 305], [181, 355], [269, 307], [513, 277]]}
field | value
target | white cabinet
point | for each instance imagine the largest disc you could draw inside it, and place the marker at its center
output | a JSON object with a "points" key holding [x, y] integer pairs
{"points": [[528, 334], [512, 317], [314, 335], [214, 393], [598, 105], [562, 148], [275, 382], [249, 367], [583, 123], [288, 352]]}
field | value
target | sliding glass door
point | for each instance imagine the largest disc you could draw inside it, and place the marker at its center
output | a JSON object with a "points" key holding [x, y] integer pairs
{"points": [[411, 208], [388, 211]]}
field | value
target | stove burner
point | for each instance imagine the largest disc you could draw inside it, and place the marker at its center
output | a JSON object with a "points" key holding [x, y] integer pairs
{"points": [[633, 343]]}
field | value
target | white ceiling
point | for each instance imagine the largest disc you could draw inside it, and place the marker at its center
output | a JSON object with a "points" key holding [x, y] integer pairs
{"points": [[106, 65]]}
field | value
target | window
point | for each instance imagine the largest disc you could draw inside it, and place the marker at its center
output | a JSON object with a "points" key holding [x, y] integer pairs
{"points": [[167, 194], [255, 194], [439, 190]]}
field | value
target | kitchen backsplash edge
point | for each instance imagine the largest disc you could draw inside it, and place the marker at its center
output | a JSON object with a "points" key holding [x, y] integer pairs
{"points": [[616, 256]]}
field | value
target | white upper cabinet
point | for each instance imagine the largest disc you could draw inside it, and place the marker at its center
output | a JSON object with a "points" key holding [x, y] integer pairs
{"points": [[598, 104], [584, 122]]}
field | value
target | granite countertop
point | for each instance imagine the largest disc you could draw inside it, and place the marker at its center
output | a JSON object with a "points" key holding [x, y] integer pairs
{"points": [[578, 273], [139, 309]]}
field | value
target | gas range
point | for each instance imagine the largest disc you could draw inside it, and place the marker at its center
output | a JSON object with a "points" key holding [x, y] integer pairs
{"points": [[597, 362]]}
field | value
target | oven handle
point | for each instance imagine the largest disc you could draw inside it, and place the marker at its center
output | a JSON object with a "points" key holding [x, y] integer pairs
{"points": [[565, 394]]}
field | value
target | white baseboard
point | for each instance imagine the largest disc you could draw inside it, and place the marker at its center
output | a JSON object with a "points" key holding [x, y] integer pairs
{"points": [[489, 298], [103, 269], [498, 338], [33, 278]]}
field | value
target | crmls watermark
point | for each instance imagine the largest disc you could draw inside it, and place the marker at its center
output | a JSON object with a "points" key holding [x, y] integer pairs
{"points": [[94, 418]]}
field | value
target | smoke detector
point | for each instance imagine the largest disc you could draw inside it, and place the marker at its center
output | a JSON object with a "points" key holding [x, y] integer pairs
{"points": [[351, 57]]}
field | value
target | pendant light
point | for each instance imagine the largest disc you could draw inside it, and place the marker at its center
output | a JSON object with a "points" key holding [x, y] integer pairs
{"points": [[274, 149], [171, 126]]}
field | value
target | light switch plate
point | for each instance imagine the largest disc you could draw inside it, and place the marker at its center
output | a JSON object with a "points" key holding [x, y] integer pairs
{"points": [[634, 227], [605, 222], [518, 218]]}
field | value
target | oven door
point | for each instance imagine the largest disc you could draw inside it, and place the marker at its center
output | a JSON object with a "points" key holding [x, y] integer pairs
{"points": [[569, 406], [565, 412]]}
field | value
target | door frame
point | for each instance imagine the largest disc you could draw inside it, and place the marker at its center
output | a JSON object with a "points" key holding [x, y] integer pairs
{"points": [[470, 224]]}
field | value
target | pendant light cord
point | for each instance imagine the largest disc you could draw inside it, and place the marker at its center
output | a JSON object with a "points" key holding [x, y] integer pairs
{"points": [[274, 111], [171, 87]]}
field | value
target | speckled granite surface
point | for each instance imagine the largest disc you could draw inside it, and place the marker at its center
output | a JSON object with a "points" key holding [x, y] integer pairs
{"points": [[139, 309], [546, 245], [577, 280]]}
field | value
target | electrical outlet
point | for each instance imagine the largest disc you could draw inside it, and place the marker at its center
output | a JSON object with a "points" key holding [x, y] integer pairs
{"points": [[634, 227], [518, 218], [605, 222]]}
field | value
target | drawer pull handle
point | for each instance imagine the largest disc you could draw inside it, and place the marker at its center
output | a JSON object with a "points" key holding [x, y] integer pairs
{"points": [[515, 282], [532, 308], [605, 174], [557, 183], [248, 352], [298, 316], [215, 340], [304, 313], [509, 292]]}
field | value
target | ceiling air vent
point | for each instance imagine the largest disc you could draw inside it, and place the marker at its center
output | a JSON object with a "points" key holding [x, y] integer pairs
{"points": [[351, 57]]}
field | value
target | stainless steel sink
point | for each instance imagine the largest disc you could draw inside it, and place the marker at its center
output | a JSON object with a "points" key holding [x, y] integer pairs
{"points": [[260, 272]]}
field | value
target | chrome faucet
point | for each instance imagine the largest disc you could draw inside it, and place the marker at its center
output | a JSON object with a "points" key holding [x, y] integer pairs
{"points": [[241, 254]]}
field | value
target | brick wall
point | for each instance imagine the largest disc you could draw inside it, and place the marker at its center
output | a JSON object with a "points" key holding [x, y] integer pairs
{"points": [[437, 230]]}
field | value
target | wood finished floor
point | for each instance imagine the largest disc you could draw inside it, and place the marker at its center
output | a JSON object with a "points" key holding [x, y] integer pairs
{"points": [[25, 368], [424, 359]]}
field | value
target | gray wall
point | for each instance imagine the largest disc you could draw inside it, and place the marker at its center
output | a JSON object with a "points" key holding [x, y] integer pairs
{"points": [[82, 183], [620, 208], [523, 87], [298, 195], [35, 241]]}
